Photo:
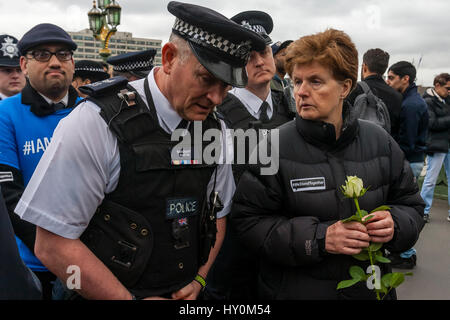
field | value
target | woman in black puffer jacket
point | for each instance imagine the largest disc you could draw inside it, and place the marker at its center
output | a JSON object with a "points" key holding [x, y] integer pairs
{"points": [[292, 219]]}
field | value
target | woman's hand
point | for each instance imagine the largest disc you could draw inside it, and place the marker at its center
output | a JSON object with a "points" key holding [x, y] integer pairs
{"points": [[346, 238], [380, 227]]}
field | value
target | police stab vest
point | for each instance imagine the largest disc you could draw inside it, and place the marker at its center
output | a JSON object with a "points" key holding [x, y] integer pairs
{"points": [[147, 231], [237, 116]]}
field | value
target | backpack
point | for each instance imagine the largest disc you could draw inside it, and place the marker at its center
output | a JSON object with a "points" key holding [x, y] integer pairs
{"points": [[369, 107]]}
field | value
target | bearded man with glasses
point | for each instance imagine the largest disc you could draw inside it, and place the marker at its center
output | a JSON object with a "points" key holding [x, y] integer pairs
{"points": [[27, 122]]}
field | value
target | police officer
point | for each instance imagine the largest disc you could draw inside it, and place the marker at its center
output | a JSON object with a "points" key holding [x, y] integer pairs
{"points": [[133, 65], [86, 72], [279, 82], [256, 106], [12, 80], [138, 221], [27, 122]]}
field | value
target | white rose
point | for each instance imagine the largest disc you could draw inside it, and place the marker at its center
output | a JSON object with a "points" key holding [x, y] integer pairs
{"points": [[353, 187]]}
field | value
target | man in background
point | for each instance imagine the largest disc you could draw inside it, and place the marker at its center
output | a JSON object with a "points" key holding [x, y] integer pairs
{"points": [[375, 63], [438, 141], [256, 106], [27, 122], [87, 72], [279, 82], [412, 135], [133, 65]]}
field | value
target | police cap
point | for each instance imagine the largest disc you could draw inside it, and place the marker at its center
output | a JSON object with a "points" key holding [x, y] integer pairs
{"points": [[9, 53], [88, 69], [45, 33], [257, 21], [141, 61], [277, 46], [220, 45]]}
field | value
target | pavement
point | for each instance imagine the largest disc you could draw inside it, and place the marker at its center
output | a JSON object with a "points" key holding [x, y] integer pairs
{"points": [[431, 276]]}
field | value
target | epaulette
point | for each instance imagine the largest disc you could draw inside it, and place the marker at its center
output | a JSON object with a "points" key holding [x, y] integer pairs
{"points": [[101, 88]]}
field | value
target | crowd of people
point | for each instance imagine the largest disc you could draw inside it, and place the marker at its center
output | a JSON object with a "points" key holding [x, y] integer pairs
{"points": [[89, 175]]}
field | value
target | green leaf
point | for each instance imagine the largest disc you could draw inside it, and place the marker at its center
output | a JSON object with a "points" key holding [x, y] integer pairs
{"points": [[347, 283], [383, 288], [396, 279], [357, 273], [352, 218], [382, 259], [381, 208], [362, 256], [408, 274], [386, 280], [375, 246]]}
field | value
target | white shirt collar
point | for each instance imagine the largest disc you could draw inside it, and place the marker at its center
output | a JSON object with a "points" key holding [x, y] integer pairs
{"points": [[64, 100], [2, 96], [253, 102], [168, 118]]}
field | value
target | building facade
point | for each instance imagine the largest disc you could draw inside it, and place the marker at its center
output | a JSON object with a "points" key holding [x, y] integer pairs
{"points": [[120, 42]]}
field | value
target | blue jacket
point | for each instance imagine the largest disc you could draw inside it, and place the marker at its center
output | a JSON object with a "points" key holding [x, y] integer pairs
{"points": [[413, 125], [25, 132]]}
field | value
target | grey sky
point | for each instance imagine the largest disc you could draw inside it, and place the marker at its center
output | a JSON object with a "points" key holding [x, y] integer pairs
{"points": [[408, 30]]}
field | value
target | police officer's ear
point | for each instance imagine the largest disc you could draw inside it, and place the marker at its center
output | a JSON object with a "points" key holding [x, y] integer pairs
{"points": [[169, 56]]}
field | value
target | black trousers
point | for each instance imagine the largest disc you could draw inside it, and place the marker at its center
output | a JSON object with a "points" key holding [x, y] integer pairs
{"points": [[47, 280]]}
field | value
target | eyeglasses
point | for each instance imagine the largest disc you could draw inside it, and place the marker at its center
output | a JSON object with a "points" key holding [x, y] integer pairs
{"points": [[45, 55], [9, 71]]}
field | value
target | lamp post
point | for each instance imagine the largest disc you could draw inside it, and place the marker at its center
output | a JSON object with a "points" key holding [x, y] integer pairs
{"points": [[103, 22]]}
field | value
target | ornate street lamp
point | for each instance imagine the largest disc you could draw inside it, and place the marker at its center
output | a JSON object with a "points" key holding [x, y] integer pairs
{"points": [[103, 22]]}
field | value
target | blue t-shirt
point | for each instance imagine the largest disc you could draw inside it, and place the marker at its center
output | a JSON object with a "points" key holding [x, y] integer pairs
{"points": [[23, 140]]}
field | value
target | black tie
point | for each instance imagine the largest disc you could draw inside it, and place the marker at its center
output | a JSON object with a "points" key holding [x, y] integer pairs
{"points": [[264, 117], [183, 124], [58, 106]]}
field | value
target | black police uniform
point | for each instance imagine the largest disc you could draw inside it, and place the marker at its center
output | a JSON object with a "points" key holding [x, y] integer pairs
{"points": [[234, 273], [157, 227], [152, 248], [17, 281], [233, 110]]}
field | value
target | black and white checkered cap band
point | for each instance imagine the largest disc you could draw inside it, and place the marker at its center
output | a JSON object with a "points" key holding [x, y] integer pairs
{"points": [[135, 65], [238, 50], [259, 29], [90, 69]]}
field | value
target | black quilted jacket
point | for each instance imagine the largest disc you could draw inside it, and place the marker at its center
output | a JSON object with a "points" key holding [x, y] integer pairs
{"points": [[284, 217]]}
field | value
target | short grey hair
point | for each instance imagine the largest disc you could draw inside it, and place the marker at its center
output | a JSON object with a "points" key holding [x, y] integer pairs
{"points": [[182, 46]]}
